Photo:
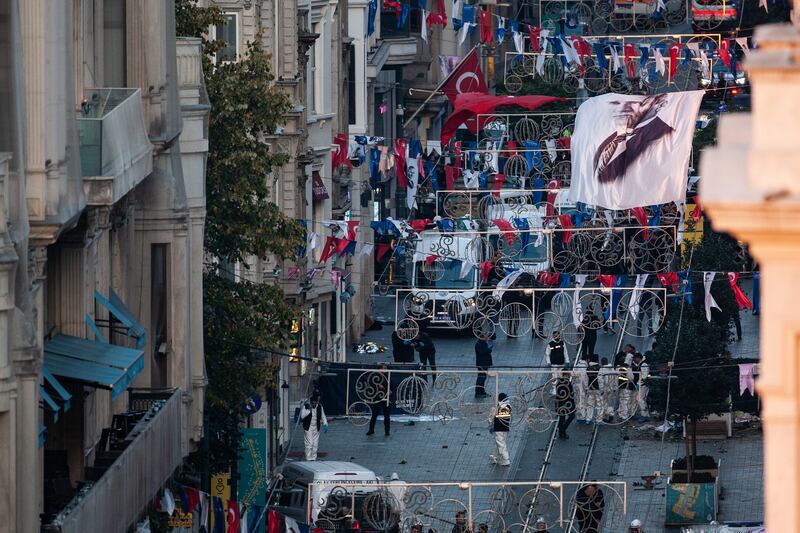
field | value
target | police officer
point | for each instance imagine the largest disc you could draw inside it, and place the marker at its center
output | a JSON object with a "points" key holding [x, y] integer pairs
{"points": [[313, 417], [557, 356], [500, 426]]}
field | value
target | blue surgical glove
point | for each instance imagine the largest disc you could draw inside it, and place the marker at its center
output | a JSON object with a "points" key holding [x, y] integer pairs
{"points": [[325, 428]]}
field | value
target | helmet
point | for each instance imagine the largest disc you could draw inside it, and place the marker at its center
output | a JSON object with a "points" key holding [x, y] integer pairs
{"points": [[636, 523]]}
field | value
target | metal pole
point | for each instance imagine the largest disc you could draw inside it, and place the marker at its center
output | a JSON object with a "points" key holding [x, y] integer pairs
{"points": [[436, 91]]}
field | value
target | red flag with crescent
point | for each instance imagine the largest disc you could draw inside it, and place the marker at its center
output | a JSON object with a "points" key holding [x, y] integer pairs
{"points": [[741, 300], [467, 78]]}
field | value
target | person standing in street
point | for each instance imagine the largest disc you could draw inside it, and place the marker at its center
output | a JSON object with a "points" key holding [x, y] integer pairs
{"points": [[381, 403], [627, 391], [589, 334], [594, 394], [565, 402], [483, 361], [402, 351], [427, 353], [589, 507], [641, 371], [608, 386], [501, 426], [461, 522], [556, 356], [580, 382], [313, 418]]}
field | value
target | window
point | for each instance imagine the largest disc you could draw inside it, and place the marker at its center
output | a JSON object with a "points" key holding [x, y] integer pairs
{"points": [[351, 85], [114, 49], [228, 32], [159, 325]]}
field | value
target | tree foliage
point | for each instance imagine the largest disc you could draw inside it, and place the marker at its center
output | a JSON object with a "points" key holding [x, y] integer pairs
{"points": [[702, 384], [241, 222]]}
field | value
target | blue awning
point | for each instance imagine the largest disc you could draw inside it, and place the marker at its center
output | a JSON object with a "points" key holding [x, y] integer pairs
{"points": [[117, 307], [51, 380], [98, 364], [50, 402]]}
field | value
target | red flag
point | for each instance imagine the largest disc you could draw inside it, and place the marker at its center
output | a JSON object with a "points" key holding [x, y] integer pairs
{"points": [[467, 78], [486, 268], [400, 162], [724, 53], [549, 278], [508, 232], [419, 224], [339, 156], [351, 229], [669, 279], [640, 215], [497, 184], [487, 35], [697, 211], [381, 251], [673, 60], [741, 300], [328, 250], [431, 259], [607, 280], [451, 174], [533, 34], [233, 517], [630, 60], [566, 223], [193, 498], [273, 521]]}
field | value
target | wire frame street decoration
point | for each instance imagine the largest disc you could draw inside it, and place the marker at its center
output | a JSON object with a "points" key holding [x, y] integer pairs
{"points": [[554, 71], [537, 127], [440, 506], [532, 394], [530, 311]]}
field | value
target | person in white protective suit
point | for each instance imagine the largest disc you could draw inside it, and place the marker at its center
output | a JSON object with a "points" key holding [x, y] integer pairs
{"points": [[397, 489], [313, 417], [636, 527], [608, 385], [580, 382], [641, 371]]}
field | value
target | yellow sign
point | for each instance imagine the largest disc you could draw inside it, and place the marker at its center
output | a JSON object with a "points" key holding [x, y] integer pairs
{"points": [[179, 519], [221, 488], [693, 228]]}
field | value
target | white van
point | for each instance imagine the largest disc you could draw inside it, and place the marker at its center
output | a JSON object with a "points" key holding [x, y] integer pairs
{"points": [[308, 491]]}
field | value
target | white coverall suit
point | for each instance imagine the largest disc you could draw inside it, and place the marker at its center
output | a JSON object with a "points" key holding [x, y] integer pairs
{"points": [[311, 435], [580, 382], [608, 386]]}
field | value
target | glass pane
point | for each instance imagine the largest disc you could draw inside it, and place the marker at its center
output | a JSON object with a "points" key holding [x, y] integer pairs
{"points": [[227, 32]]}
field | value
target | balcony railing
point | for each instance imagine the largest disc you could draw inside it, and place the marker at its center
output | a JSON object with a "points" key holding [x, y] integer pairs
{"points": [[134, 476], [116, 153]]}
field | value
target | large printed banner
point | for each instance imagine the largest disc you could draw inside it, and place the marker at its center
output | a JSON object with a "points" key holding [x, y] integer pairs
{"points": [[630, 151]]}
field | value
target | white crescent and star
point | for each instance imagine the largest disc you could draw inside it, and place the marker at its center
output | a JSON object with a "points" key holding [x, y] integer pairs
{"points": [[465, 76]]}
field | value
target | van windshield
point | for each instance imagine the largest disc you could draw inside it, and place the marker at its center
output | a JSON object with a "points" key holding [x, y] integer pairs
{"points": [[442, 274]]}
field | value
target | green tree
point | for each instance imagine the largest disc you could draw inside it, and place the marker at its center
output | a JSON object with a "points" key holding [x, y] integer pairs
{"points": [[241, 223], [701, 384]]}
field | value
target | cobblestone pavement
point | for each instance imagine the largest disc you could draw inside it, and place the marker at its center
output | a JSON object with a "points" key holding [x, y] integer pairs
{"points": [[459, 450]]}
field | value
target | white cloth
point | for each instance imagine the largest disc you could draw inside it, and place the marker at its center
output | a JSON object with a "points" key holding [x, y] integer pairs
{"points": [[616, 63], [641, 399], [466, 268], [424, 30], [462, 35], [580, 380], [505, 283], [471, 180], [519, 42], [606, 174], [661, 65], [551, 149], [204, 510], [291, 524], [313, 241], [641, 280], [168, 502], [708, 279], [608, 387], [366, 249], [501, 448]]}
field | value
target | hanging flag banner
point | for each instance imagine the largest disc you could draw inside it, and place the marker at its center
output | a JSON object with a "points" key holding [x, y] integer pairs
{"points": [[467, 78], [629, 151], [318, 190]]}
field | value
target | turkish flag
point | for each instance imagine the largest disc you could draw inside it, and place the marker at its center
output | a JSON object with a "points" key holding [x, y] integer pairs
{"points": [[467, 78]]}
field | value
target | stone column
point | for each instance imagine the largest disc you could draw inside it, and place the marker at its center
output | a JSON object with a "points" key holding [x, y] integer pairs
{"points": [[751, 188]]}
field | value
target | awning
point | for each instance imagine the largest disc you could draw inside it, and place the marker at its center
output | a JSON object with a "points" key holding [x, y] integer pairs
{"points": [[120, 311], [49, 402], [97, 364], [62, 393]]}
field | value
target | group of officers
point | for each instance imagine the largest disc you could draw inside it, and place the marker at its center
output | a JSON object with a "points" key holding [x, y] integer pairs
{"points": [[596, 389]]}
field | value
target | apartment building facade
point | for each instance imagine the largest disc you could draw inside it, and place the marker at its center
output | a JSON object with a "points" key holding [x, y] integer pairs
{"points": [[101, 226]]}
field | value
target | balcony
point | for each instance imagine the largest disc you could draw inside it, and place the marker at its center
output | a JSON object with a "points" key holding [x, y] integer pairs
{"points": [[116, 154], [132, 461]]}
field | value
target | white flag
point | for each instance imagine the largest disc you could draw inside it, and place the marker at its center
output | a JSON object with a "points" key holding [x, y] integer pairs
{"points": [[630, 151], [505, 283], [366, 249], [519, 41], [641, 279], [551, 149], [681, 222], [471, 179], [313, 241], [661, 66], [204, 510], [577, 308], [742, 41], [466, 268], [615, 61], [708, 279], [462, 35], [291, 524], [412, 175], [424, 30]]}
